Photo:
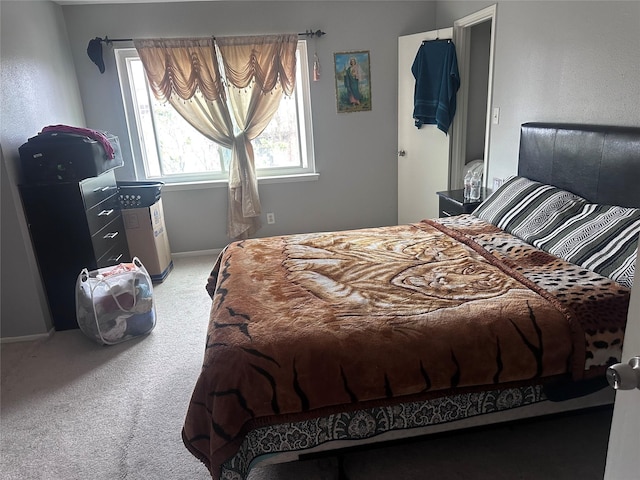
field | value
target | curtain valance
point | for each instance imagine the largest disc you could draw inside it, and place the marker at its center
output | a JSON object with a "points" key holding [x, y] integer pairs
{"points": [[265, 59], [181, 66]]}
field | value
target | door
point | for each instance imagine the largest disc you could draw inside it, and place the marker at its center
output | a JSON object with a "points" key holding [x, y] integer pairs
{"points": [[623, 461], [423, 154]]}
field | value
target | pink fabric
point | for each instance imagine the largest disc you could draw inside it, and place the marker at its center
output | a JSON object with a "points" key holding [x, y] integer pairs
{"points": [[94, 134]]}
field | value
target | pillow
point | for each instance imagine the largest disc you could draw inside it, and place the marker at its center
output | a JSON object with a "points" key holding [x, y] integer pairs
{"points": [[601, 238], [526, 208]]}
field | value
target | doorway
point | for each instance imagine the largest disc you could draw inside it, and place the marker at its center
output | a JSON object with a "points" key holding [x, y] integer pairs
{"points": [[474, 36], [428, 160]]}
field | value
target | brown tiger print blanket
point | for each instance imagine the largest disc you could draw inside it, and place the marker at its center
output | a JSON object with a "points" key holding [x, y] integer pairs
{"points": [[309, 324]]}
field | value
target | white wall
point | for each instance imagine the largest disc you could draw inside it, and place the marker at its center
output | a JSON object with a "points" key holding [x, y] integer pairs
{"points": [[355, 152], [558, 61], [38, 88]]}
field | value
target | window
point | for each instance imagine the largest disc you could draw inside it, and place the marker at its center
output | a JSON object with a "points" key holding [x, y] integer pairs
{"points": [[166, 147]]}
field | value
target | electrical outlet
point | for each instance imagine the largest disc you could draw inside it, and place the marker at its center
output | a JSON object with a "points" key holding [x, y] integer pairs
{"points": [[497, 182], [271, 218]]}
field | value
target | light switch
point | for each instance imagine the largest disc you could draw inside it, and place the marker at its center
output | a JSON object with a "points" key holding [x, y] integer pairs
{"points": [[495, 118]]}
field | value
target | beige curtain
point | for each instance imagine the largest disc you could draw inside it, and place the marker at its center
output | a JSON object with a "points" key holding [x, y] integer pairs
{"points": [[185, 73], [258, 71]]}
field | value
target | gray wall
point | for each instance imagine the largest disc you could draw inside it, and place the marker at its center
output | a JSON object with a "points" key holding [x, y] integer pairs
{"points": [[558, 62], [39, 88], [555, 61], [355, 152]]}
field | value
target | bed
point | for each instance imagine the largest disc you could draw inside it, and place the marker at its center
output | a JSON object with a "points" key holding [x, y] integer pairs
{"points": [[324, 340]]}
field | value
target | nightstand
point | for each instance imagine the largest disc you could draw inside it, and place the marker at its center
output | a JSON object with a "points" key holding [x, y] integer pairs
{"points": [[452, 202]]}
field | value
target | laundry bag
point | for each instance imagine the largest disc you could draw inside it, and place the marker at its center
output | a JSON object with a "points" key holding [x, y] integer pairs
{"points": [[114, 304]]}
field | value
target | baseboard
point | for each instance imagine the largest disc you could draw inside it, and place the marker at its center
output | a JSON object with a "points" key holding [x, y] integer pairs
{"points": [[214, 252], [27, 338]]}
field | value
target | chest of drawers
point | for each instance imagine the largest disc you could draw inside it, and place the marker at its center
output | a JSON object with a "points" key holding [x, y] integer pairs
{"points": [[73, 225]]}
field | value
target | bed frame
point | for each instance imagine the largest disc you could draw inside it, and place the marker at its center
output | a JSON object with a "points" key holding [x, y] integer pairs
{"points": [[599, 163]]}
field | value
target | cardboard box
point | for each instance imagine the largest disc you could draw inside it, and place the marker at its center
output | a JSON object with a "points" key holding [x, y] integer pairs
{"points": [[148, 240]]}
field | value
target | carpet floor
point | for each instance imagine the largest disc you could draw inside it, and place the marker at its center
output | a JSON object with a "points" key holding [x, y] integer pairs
{"points": [[75, 410]]}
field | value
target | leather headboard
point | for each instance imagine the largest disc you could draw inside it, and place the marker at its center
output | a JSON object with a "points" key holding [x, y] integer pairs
{"points": [[600, 163]]}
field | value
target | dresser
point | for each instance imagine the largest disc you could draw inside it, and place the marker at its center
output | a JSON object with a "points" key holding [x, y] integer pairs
{"points": [[73, 225], [452, 202]]}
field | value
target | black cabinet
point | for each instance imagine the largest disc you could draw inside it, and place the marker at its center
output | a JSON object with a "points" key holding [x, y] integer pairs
{"points": [[73, 225], [452, 202]]}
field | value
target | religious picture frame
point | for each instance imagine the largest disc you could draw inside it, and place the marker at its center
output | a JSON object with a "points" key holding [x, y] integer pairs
{"points": [[353, 81]]}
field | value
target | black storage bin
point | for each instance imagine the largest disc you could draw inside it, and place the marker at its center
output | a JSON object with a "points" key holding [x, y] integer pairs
{"points": [[57, 157], [138, 194]]}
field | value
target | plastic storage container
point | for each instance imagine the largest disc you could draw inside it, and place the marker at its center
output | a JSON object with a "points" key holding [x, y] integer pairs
{"points": [[138, 194], [115, 304]]}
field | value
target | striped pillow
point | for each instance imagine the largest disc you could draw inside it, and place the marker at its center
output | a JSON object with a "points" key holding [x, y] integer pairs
{"points": [[601, 238], [525, 208]]}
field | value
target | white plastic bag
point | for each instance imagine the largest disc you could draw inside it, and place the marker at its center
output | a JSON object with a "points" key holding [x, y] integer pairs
{"points": [[115, 304]]}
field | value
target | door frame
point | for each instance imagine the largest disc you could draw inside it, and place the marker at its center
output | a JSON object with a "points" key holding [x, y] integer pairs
{"points": [[462, 40]]}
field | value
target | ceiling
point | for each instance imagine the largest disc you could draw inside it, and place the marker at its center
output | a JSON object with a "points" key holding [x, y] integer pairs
{"points": [[90, 2]]}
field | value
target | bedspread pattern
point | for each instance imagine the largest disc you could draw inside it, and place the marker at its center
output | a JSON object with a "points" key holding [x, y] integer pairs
{"points": [[371, 422], [314, 323], [597, 303]]}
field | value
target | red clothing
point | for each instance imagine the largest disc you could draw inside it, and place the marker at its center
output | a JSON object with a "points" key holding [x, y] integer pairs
{"points": [[94, 134]]}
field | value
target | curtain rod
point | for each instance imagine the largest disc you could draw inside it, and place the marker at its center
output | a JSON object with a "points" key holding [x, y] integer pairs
{"points": [[94, 50], [307, 33]]}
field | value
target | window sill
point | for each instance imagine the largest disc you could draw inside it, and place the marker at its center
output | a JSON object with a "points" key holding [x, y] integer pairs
{"points": [[174, 187]]}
